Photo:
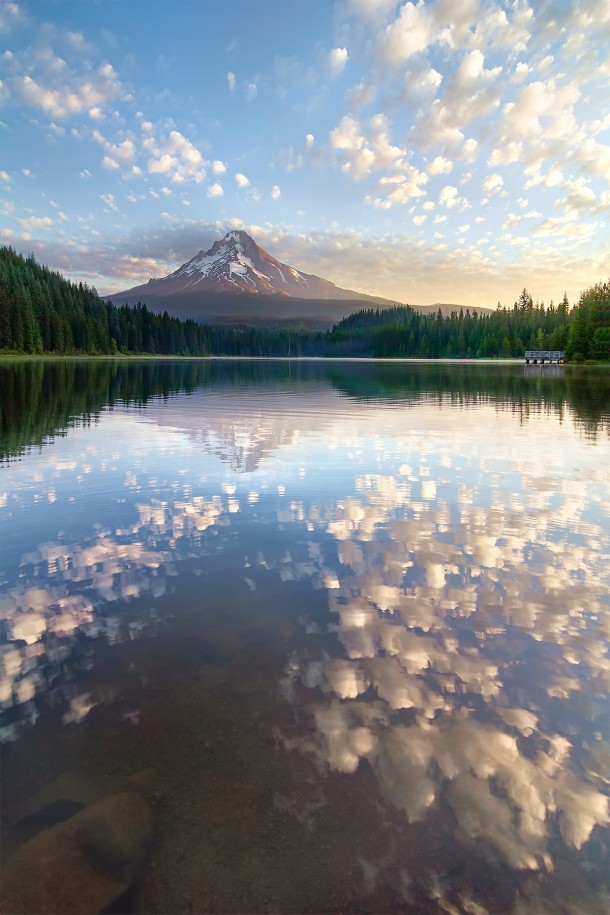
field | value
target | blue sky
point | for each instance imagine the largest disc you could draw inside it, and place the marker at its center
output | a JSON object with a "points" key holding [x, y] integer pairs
{"points": [[438, 151]]}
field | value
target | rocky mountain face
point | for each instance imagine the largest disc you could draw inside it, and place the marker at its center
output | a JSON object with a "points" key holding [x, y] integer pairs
{"points": [[237, 280], [236, 264]]}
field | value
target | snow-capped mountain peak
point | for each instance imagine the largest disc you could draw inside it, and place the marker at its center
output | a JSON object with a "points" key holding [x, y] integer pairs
{"points": [[237, 278], [235, 264]]}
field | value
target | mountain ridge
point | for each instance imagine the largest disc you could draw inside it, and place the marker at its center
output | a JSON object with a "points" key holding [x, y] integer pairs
{"points": [[237, 280]]}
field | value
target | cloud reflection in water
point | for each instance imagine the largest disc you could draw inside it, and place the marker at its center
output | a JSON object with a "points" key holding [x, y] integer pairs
{"points": [[466, 589], [474, 618], [81, 579]]}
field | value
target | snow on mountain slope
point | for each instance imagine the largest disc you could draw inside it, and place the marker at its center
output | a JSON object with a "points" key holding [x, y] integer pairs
{"points": [[236, 264]]}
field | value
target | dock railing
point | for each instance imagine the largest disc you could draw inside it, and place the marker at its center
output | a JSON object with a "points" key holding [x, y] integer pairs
{"points": [[544, 355]]}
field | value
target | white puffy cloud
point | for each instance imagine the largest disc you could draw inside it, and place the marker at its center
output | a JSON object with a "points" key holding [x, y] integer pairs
{"points": [[275, 192], [61, 92], [215, 190], [108, 199], [164, 163], [518, 112], [337, 59], [420, 82], [401, 187], [521, 70], [359, 163], [493, 183], [412, 31], [551, 178], [539, 122], [175, 156], [218, 167], [459, 27], [372, 11], [120, 152], [348, 135], [471, 93], [115, 153], [512, 151], [472, 72], [496, 30], [440, 166], [469, 150], [241, 180], [449, 197], [185, 149], [36, 222], [439, 127], [564, 227], [386, 153], [366, 149], [593, 157], [581, 197], [514, 219]]}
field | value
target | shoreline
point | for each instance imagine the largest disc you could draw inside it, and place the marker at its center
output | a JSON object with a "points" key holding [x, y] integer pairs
{"points": [[145, 357]]}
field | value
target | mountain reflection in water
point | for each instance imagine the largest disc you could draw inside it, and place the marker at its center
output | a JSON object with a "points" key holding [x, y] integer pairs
{"points": [[391, 579]]}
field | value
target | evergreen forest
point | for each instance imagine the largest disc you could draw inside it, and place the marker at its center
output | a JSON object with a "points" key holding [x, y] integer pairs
{"points": [[41, 312]]}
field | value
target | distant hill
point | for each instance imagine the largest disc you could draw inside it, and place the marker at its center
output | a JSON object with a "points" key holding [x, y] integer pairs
{"points": [[448, 309]]}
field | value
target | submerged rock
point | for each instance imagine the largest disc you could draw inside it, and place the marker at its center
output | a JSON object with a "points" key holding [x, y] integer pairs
{"points": [[82, 864], [71, 786]]}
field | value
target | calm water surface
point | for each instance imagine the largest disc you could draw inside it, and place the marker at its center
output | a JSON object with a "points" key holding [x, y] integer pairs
{"points": [[344, 626]]}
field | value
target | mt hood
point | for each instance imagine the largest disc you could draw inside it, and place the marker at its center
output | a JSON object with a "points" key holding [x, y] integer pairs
{"points": [[236, 264], [236, 280]]}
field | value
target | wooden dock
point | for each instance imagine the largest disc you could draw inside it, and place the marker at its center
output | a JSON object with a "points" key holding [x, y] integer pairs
{"points": [[540, 356]]}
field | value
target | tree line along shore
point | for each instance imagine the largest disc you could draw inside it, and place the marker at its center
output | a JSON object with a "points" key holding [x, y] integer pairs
{"points": [[43, 313], [42, 398]]}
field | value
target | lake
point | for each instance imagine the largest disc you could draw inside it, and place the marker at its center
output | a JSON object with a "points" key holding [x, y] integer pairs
{"points": [[343, 626]]}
